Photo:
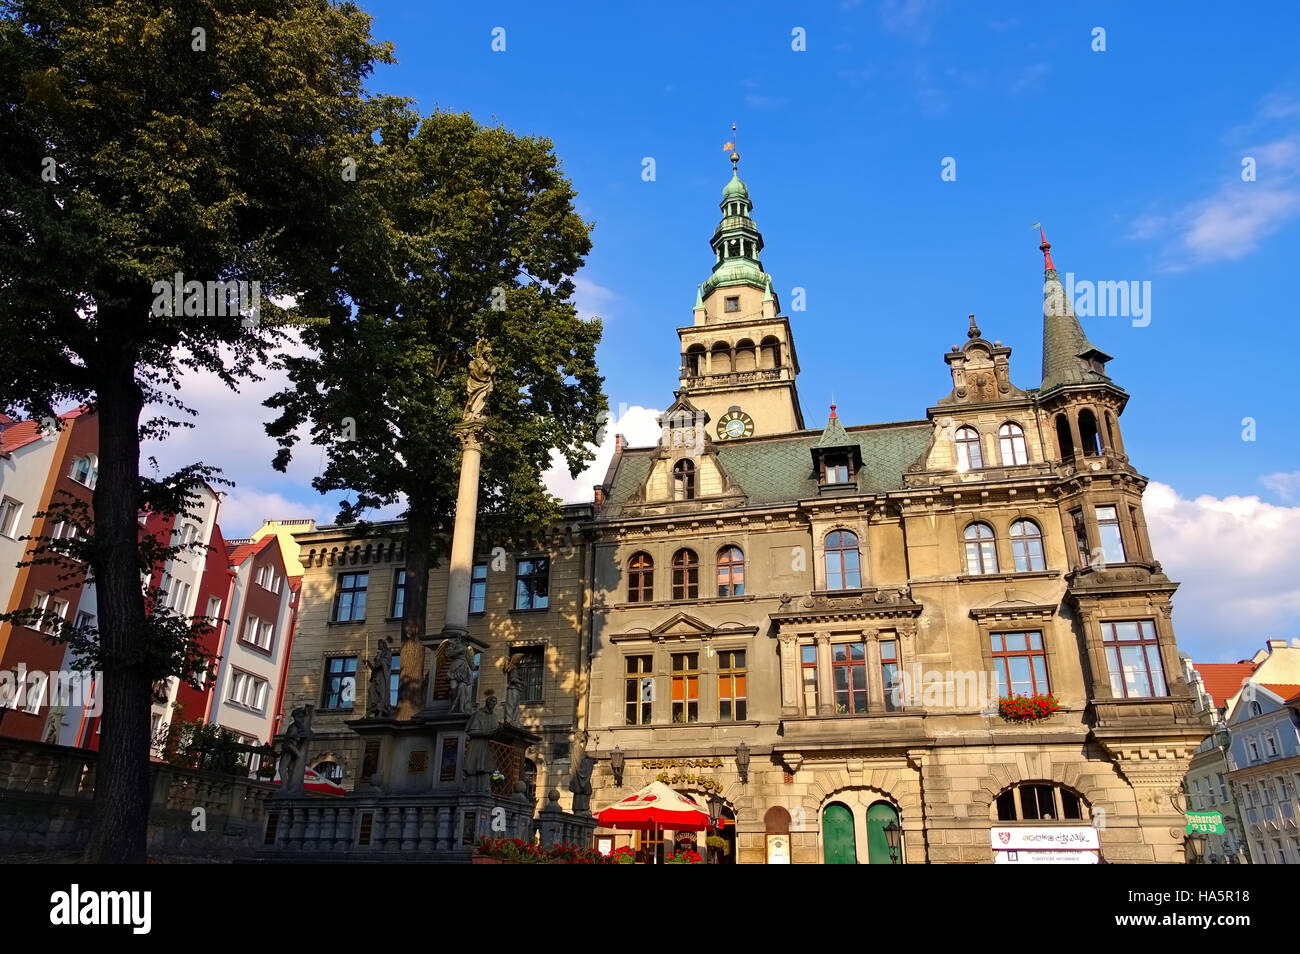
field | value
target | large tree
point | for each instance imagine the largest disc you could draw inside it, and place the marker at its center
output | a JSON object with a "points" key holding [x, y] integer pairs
{"points": [[218, 139], [473, 238]]}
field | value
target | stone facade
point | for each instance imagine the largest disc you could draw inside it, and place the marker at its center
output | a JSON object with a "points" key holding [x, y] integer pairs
{"points": [[811, 572], [554, 633]]}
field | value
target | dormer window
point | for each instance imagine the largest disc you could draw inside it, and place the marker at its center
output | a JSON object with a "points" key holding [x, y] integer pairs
{"points": [[684, 480], [733, 303], [837, 469]]}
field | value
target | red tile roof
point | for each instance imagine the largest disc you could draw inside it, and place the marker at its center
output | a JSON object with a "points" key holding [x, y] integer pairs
{"points": [[1223, 680], [242, 552], [1284, 690], [18, 434]]}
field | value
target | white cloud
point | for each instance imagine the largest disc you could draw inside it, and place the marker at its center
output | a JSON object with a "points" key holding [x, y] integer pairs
{"points": [[1286, 484], [639, 425], [1235, 558], [910, 18], [591, 299]]}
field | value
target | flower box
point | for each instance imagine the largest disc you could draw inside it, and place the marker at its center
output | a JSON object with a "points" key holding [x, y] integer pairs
{"points": [[1033, 708]]}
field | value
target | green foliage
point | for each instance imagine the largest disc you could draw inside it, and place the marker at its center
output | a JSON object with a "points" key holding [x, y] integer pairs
{"points": [[472, 236], [200, 745]]}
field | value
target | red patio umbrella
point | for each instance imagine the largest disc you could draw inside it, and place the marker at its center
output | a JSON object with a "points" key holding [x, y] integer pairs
{"points": [[656, 806]]}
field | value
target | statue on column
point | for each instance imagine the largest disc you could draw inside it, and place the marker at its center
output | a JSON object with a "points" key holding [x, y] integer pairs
{"points": [[460, 674], [480, 383], [293, 751], [514, 688], [378, 702], [479, 760]]}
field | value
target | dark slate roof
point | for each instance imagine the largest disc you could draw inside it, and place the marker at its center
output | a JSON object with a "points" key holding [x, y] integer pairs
{"points": [[1064, 342], [777, 470]]}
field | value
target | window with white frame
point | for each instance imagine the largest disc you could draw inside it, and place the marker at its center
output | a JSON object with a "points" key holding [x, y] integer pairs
{"points": [[1252, 750], [1270, 744], [85, 471], [10, 510], [248, 691], [48, 603]]}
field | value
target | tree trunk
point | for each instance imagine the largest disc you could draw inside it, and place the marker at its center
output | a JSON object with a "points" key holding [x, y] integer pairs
{"points": [[419, 538], [121, 804]]}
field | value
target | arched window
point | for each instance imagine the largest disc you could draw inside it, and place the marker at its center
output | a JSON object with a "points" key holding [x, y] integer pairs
{"points": [[1040, 801], [695, 360], [769, 353], [1088, 434], [684, 480], [731, 572], [1063, 439], [981, 549], [85, 471], [968, 450], [1027, 546], [641, 579], [843, 567], [686, 575], [1011, 441], [330, 770]]}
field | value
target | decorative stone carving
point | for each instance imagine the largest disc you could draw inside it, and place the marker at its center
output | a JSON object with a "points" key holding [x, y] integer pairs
{"points": [[461, 673], [580, 785], [479, 762], [293, 751], [514, 688], [378, 701]]}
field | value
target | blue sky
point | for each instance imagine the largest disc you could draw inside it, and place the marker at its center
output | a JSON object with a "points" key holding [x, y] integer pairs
{"points": [[1131, 158]]}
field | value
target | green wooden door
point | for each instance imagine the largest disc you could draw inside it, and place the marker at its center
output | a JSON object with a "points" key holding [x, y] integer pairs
{"points": [[878, 816], [838, 843]]}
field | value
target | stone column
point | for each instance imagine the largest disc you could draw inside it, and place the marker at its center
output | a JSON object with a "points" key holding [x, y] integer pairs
{"points": [[456, 613]]}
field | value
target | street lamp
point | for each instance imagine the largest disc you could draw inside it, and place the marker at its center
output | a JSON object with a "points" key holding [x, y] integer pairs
{"points": [[1222, 737], [893, 834], [616, 766], [1194, 849], [742, 762]]}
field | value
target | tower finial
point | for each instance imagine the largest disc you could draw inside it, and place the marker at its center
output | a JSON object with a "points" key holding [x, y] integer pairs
{"points": [[974, 331], [1046, 248]]}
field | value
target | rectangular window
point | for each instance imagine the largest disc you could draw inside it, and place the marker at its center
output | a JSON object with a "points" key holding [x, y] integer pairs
{"points": [[1080, 536], [252, 630], [179, 598], [9, 511], [732, 303], [731, 686], [532, 667], [1223, 788], [394, 678], [261, 577], [849, 672], [686, 687], [639, 691], [1133, 658], [1270, 744], [1020, 663], [835, 470], [267, 635], [532, 584], [340, 682], [350, 603], [478, 588], [1112, 541], [1281, 789], [1252, 750], [889, 672], [399, 594], [248, 691], [808, 671]]}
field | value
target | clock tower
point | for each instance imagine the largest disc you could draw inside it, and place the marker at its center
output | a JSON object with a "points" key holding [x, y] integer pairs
{"points": [[738, 358]]}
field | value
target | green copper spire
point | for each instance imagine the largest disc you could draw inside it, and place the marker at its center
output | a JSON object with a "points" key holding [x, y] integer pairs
{"points": [[736, 241], [1068, 356]]}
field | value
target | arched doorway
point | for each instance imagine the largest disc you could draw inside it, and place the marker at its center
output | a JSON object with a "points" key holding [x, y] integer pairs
{"points": [[839, 847], [879, 816]]}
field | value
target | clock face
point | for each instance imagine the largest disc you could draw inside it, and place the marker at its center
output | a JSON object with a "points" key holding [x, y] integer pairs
{"points": [[735, 423]]}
